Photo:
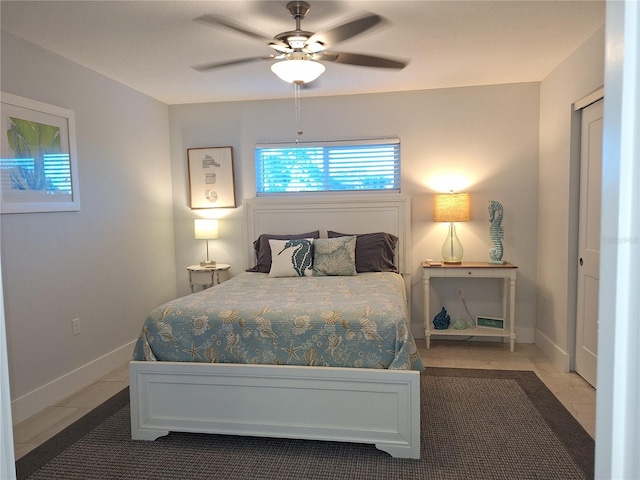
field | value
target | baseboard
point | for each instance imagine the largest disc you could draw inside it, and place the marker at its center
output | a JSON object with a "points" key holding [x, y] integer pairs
{"points": [[558, 356], [51, 393]]}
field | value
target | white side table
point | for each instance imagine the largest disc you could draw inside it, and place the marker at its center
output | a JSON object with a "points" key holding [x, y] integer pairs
{"points": [[506, 272], [207, 276]]}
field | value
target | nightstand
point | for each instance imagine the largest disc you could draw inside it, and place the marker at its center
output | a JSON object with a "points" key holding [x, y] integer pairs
{"points": [[482, 271], [207, 276]]}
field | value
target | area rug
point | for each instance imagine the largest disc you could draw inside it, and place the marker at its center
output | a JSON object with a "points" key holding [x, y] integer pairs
{"points": [[475, 424]]}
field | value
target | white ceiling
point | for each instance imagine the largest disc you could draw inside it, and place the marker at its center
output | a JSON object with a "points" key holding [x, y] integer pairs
{"points": [[150, 45]]}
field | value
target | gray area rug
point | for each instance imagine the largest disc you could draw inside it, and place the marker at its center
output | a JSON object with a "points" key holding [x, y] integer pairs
{"points": [[476, 424]]}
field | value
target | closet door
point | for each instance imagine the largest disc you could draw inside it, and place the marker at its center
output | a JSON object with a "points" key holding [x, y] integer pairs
{"points": [[589, 242]]}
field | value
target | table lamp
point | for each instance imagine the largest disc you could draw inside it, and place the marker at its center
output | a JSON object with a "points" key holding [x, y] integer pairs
{"points": [[206, 229], [452, 207]]}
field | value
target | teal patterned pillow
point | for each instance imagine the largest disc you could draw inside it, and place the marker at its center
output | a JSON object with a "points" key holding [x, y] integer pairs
{"points": [[291, 258], [334, 256]]}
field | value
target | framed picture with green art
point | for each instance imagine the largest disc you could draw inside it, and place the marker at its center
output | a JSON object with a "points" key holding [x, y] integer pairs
{"points": [[38, 162]]}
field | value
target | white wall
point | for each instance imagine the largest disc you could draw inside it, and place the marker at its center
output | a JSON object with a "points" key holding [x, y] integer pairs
{"points": [[558, 200], [107, 264], [488, 136]]}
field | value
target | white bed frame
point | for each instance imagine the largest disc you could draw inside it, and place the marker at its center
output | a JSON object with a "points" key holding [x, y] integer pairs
{"points": [[380, 407]]}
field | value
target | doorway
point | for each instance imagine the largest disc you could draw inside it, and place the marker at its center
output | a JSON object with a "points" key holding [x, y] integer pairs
{"points": [[589, 241]]}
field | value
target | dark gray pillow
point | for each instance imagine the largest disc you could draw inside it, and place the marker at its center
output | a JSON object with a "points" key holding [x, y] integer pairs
{"points": [[263, 250], [375, 252]]}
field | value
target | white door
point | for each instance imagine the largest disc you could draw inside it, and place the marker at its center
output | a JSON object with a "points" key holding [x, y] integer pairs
{"points": [[589, 242]]}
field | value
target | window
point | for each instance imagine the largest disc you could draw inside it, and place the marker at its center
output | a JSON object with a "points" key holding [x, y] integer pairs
{"points": [[328, 166]]}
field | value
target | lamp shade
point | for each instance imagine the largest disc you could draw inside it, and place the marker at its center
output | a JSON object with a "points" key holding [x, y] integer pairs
{"points": [[206, 229], [451, 207], [298, 71]]}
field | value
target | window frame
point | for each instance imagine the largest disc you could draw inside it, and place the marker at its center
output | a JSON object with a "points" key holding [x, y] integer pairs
{"points": [[332, 154]]}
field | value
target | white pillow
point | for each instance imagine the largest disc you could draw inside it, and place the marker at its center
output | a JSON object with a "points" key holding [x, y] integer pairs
{"points": [[291, 258]]}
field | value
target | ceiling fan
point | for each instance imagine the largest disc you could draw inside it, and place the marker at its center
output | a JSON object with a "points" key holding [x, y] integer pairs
{"points": [[298, 52]]}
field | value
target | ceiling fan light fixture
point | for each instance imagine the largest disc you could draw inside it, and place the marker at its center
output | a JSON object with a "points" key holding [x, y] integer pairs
{"points": [[297, 42], [298, 71]]}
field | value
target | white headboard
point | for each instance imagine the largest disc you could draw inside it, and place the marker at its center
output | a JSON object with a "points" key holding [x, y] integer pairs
{"points": [[368, 213]]}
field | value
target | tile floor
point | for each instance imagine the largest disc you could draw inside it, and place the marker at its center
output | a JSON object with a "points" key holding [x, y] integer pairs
{"points": [[35, 430], [576, 394]]}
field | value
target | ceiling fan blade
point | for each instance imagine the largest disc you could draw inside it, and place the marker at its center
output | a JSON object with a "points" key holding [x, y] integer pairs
{"points": [[220, 21], [364, 60], [347, 30], [239, 61]]}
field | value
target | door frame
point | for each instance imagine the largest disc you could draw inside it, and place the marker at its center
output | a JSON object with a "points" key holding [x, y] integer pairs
{"points": [[585, 361], [576, 147]]}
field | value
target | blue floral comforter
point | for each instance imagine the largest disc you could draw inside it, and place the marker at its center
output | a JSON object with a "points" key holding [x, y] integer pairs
{"points": [[358, 321]]}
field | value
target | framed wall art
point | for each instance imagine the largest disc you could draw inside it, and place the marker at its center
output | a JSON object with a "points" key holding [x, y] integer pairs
{"points": [[211, 180], [38, 159]]}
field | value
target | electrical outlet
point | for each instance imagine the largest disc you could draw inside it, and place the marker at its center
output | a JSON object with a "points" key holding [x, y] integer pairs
{"points": [[459, 293], [75, 326]]}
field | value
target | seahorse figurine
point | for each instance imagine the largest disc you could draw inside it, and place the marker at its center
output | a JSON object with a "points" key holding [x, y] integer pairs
{"points": [[496, 232]]}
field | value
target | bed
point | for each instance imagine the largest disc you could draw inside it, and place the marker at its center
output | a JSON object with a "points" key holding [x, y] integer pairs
{"points": [[341, 366]]}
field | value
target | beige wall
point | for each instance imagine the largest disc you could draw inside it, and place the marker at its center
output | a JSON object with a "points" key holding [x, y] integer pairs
{"points": [[559, 170], [107, 264], [486, 135]]}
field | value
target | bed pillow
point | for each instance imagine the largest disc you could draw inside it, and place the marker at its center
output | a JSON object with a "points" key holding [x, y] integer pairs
{"points": [[291, 258], [375, 252], [263, 250], [334, 256]]}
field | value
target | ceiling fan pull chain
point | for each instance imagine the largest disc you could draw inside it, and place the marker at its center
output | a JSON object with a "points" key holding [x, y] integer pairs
{"points": [[296, 95]]}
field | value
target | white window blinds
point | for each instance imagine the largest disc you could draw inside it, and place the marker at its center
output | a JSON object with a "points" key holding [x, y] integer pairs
{"points": [[328, 166]]}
